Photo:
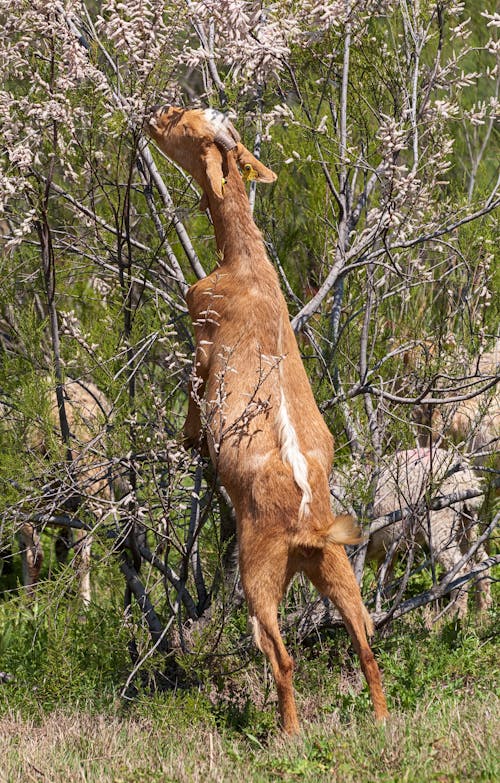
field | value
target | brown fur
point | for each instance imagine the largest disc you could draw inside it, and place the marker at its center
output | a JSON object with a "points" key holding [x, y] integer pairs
{"points": [[249, 377]]}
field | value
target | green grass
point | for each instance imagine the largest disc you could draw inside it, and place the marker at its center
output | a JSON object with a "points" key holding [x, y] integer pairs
{"points": [[62, 717]]}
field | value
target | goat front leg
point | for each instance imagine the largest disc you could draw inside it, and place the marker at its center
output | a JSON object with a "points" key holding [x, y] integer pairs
{"points": [[192, 431], [200, 302]]}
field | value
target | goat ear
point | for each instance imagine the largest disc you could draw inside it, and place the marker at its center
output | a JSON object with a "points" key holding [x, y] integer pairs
{"points": [[251, 168], [214, 175]]}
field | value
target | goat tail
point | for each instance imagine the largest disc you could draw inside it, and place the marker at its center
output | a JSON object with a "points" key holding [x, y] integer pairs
{"points": [[344, 530], [341, 529]]}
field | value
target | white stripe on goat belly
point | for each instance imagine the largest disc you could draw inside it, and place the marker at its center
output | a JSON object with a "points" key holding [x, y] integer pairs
{"points": [[292, 455]]}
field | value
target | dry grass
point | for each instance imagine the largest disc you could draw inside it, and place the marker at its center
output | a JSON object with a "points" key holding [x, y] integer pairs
{"points": [[447, 742]]}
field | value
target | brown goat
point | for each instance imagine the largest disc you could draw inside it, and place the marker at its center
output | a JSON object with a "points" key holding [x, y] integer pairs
{"points": [[251, 400]]}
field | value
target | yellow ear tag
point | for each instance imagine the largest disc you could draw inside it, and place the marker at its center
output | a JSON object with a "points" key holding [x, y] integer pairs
{"points": [[224, 180], [249, 173]]}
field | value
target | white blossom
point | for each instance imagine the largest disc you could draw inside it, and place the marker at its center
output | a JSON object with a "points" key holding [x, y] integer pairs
{"points": [[494, 19]]}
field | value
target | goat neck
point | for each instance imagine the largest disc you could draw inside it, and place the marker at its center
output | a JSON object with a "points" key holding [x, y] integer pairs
{"points": [[238, 239]]}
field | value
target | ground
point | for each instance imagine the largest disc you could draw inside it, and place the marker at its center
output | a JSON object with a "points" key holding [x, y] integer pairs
{"points": [[62, 717]]}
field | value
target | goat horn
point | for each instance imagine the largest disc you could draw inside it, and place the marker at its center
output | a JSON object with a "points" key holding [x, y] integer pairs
{"points": [[223, 139], [232, 130]]}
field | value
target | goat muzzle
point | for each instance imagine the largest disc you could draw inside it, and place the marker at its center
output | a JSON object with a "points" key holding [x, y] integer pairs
{"points": [[152, 112]]}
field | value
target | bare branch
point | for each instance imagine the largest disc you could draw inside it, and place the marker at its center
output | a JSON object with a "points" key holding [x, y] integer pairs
{"points": [[157, 631], [422, 400]]}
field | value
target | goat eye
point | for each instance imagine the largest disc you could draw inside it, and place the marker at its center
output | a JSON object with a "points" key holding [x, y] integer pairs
{"points": [[248, 167]]}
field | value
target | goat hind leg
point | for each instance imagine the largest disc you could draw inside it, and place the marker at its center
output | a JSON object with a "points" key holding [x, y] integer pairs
{"points": [[268, 639], [264, 585], [331, 573]]}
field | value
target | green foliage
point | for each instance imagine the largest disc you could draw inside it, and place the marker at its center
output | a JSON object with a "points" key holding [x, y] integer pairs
{"points": [[59, 653]]}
